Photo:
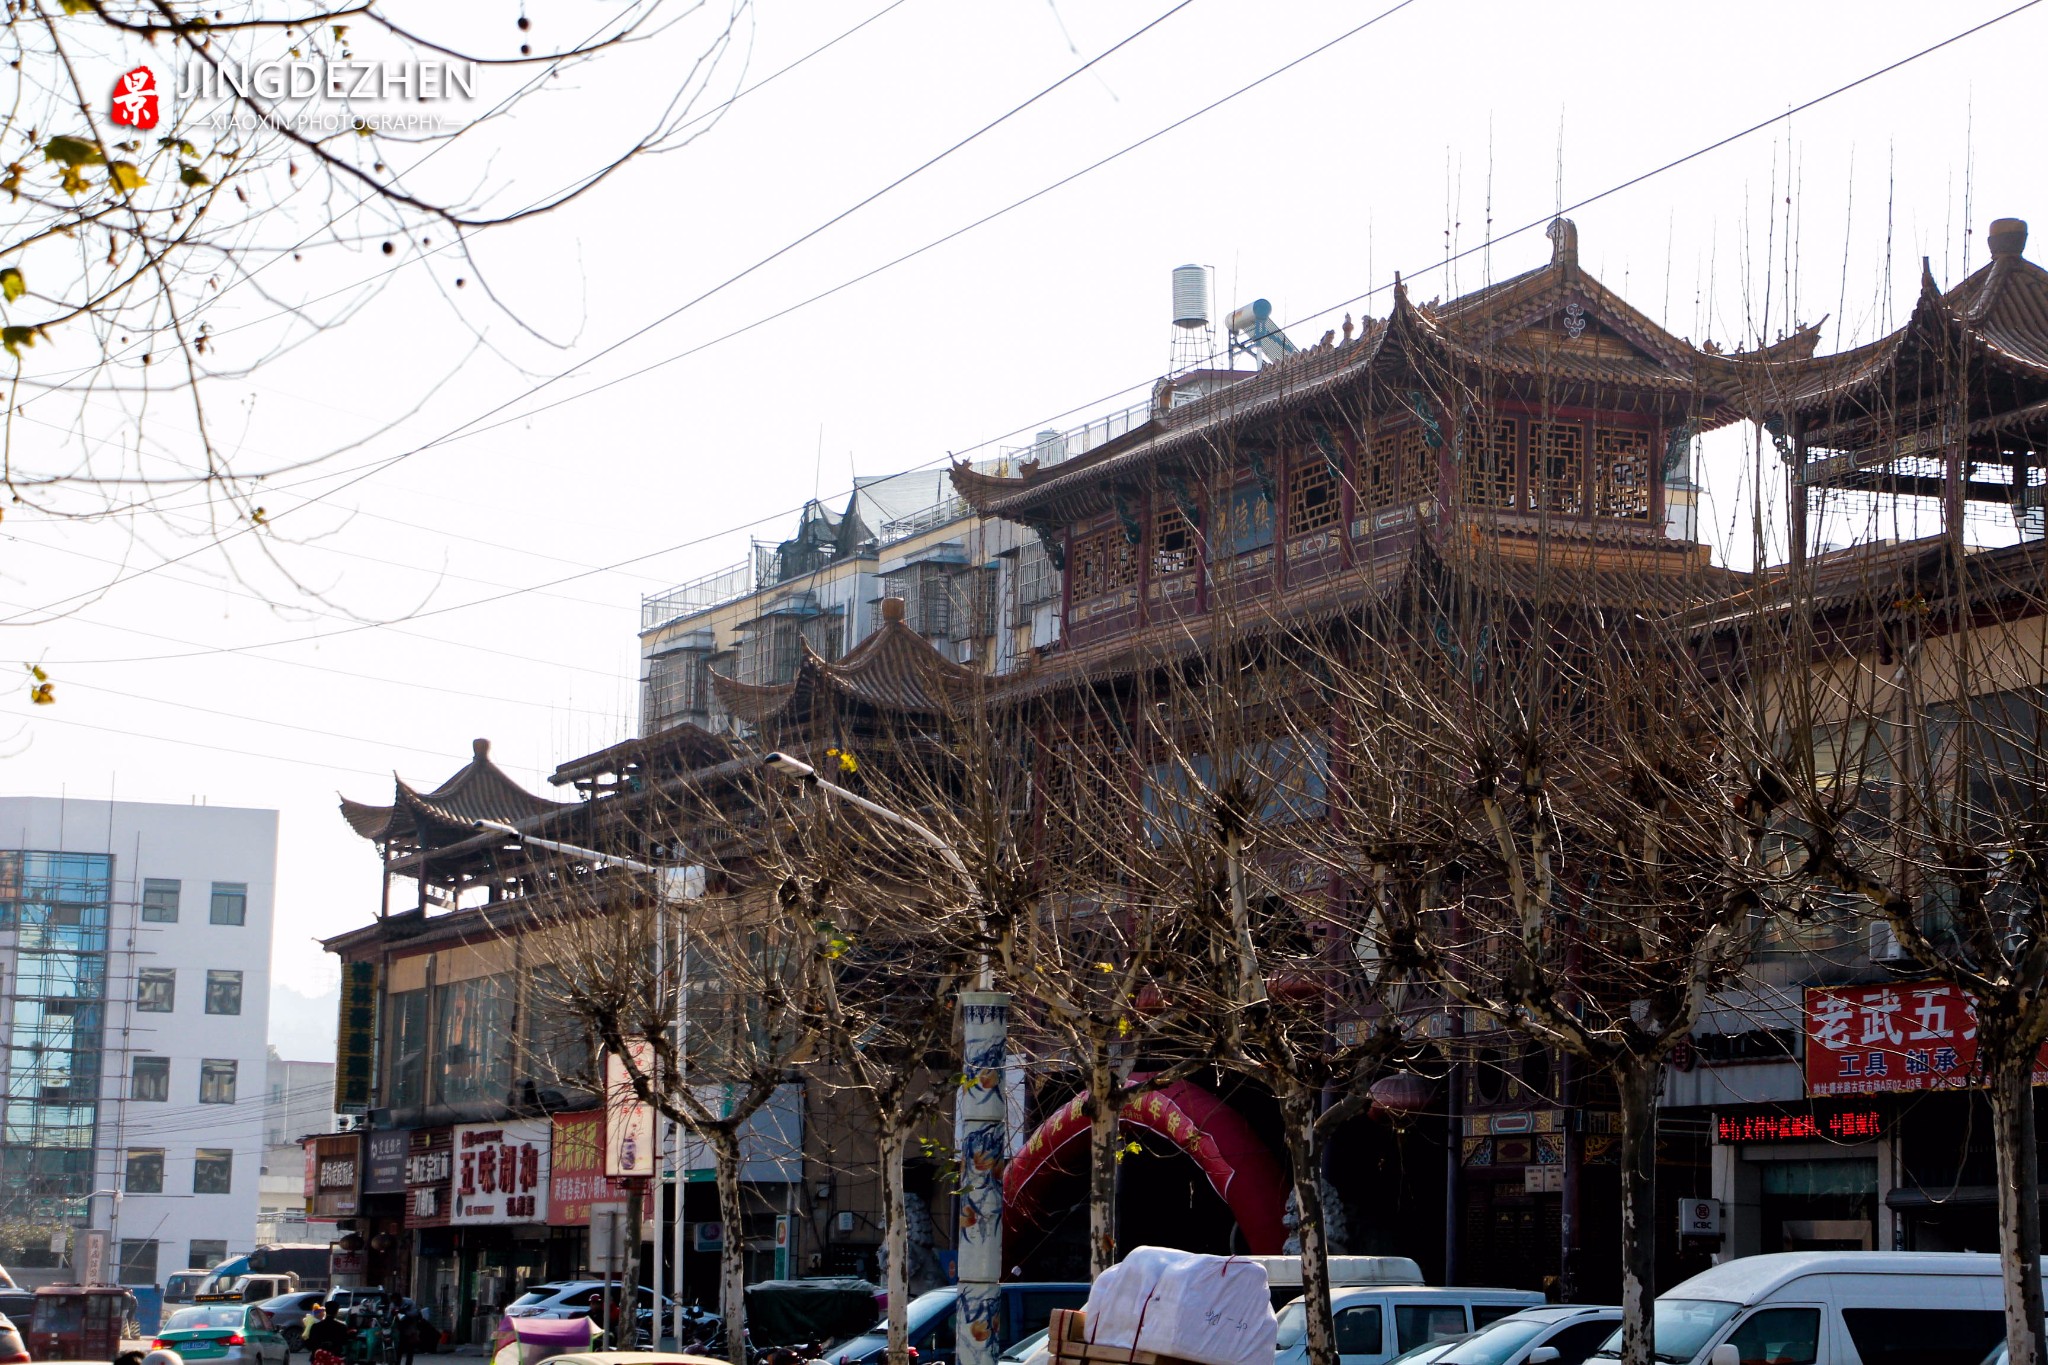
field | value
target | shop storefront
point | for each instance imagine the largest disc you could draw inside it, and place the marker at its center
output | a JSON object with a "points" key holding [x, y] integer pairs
{"points": [[1886, 1145], [429, 1196], [382, 1211], [1804, 1175], [499, 1214]]}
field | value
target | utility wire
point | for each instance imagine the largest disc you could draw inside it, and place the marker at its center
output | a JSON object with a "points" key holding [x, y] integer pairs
{"points": [[672, 313], [1437, 265]]}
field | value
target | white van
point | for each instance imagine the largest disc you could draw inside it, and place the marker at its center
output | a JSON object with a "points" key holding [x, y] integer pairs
{"points": [[1832, 1308], [1283, 1273], [1377, 1323]]}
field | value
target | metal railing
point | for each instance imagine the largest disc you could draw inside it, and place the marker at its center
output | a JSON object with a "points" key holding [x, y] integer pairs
{"points": [[700, 594], [763, 568]]}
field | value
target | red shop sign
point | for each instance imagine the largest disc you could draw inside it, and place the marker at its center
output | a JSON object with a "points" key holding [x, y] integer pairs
{"points": [[1896, 1036]]}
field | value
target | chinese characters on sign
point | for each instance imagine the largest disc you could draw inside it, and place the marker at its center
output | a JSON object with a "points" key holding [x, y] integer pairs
{"points": [[1897, 1036], [356, 1037], [1851, 1125], [576, 1177], [429, 1171], [501, 1172], [384, 1161], [336, 1164]]}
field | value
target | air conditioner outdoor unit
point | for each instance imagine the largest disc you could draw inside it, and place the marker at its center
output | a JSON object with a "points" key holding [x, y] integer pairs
{"points": [[347, 1123], [1884, 944]]}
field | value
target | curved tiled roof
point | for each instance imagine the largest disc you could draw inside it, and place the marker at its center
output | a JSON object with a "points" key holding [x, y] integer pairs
{"points": [[895, 669], [1493, 330], [479, 790], [1998, 317]]}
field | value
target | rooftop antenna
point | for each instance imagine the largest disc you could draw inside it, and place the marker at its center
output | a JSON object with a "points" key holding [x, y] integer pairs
{"points": [[1194, 332]]}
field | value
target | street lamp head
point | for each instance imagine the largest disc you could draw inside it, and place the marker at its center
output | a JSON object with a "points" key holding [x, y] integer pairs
{"points": [[789, 767]]}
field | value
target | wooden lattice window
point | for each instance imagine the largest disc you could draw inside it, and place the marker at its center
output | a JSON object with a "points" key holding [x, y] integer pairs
{"points": [[1621, 464], [1394, 469], [1087, 565], [1173, 538], [1313, 499], [1120, 560], [1557, 464], [1487, 475]]}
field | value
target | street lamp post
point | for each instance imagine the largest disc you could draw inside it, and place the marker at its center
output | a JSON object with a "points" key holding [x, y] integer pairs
{"points": [[981, 1108], [678, 884]]}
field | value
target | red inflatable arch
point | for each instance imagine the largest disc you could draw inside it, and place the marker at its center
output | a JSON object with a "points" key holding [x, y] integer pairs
{"points": [[1212, 1134]]}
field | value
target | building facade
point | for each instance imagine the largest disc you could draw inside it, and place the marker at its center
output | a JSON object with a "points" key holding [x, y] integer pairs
{"points": [[135, 943], [299, 1102], [1823, 1101]]}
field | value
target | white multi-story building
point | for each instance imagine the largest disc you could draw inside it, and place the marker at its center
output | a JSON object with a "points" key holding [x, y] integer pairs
{"points": [[134, 1013]]}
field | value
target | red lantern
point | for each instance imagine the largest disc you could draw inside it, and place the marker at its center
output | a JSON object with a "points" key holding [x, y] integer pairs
{"points": [[1149, 1000], [1398, 1098], [1294, 986]]}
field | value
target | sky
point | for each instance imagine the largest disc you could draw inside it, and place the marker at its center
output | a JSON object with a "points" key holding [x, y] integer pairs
{"points": [[612, 436]]}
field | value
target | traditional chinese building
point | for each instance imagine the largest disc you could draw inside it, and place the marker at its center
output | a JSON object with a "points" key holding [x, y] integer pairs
{"points": [[1539, 425]]}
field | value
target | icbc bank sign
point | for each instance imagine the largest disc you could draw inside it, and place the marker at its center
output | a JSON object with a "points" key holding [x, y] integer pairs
{"points": [[1906, 1035], [501, 1172]]}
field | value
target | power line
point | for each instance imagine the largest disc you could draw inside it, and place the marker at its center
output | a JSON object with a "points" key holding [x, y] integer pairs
{"points": [[1437, 265], [1096, 165], [672, 313], [252, 596], [44, 718], [359, 285], [464, 692]]}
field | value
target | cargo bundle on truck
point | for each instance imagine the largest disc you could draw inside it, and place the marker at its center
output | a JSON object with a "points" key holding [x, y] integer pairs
{"points": [[1163, 1307]]}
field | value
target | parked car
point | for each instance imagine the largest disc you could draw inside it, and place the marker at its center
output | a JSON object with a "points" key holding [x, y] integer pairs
{"points": [[1283, 1273], [287, 1314], [18, 1304], [568, 1299], [1375, 1324], [13, 1350], [1429, 1353], [1025, 1309], [223, 1333], [1024, 1348], [1832, 1308], [1555, 1334]]}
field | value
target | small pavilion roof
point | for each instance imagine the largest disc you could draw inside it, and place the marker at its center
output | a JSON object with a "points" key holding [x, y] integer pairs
{"points": [[479, 790], [1993, 324], [1506, 329], [894, 669]]}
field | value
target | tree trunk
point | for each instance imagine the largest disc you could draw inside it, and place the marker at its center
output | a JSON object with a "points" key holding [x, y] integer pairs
{"points": [[896, 1239], [1638, 1085], [1298, 1113], [2019, 1209], [1104, 1134], [732, 1252]]}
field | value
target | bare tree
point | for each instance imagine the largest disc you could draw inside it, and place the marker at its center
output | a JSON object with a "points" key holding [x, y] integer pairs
{"points": [[699, 999], [1560, 816], [166, 157], [1240, 838], [1913, 757]]}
